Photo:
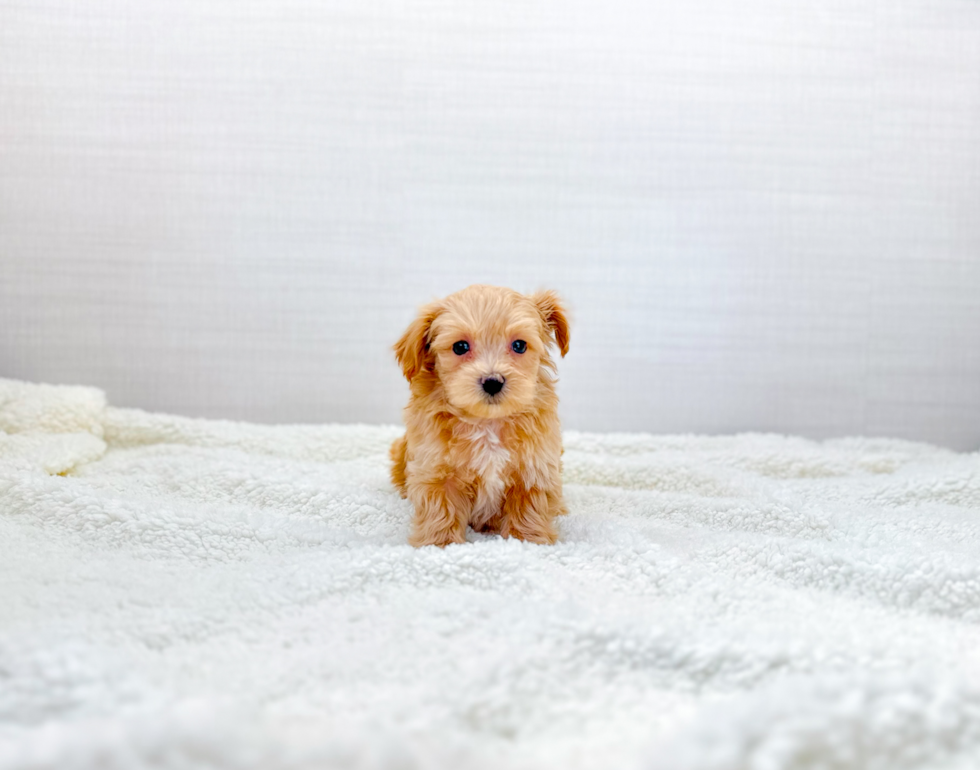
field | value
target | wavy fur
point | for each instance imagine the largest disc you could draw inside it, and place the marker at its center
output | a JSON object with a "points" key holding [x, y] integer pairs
{"points": [[468, 458]]}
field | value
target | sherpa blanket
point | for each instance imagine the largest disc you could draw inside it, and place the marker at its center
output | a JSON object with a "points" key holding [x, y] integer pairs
{"points": [[181, 593]]}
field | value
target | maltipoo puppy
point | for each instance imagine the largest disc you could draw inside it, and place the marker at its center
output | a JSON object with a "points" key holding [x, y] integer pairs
{"points": [[482, 445]]}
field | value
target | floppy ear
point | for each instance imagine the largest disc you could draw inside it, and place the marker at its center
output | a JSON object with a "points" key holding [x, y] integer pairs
{"points": [[555, 317], [412, 350]]}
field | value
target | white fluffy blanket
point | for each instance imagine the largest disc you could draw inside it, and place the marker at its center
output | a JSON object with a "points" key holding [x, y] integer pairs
{"points": [[179, 593]]}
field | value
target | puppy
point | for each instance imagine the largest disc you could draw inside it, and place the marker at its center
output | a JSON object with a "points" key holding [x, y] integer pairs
{"points": [[482, 445]]}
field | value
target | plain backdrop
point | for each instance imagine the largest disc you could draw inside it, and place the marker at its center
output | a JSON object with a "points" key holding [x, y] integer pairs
{"points": [[764, 215]]}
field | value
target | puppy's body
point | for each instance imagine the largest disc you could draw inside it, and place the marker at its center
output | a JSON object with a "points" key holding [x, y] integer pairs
{"points": [[473, 453]]}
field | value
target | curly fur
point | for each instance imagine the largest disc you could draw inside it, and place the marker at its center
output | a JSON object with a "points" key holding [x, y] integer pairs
{"points": [[468, 458]]}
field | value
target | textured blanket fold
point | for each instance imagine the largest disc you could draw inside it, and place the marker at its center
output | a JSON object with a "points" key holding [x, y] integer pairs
{"points": [[181, 593]]}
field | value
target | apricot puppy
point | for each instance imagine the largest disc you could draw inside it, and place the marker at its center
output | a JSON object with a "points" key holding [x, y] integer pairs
{"points": [[482, 445]]}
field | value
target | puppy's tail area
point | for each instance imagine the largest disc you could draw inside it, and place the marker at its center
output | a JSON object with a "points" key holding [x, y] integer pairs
{"points": [[397, 453], [556, 504]]}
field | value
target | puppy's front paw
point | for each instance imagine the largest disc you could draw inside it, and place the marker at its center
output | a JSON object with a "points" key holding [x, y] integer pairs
{"points": [[527, 516], [422, 537], [542, 536], [441, 512]]}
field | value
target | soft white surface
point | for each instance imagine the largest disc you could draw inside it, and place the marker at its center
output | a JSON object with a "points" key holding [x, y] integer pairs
{"points": [[764, 213], [199, 594]]}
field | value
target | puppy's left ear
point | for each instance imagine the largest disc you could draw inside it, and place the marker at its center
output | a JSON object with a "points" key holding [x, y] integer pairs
{"points": [[412, 350], [555, 317]]}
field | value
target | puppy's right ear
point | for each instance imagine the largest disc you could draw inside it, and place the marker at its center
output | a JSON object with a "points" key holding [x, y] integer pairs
{"points": [[412, 350]]}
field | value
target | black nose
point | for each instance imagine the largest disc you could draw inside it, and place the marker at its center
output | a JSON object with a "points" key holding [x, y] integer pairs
{"points": [[493, 385]]}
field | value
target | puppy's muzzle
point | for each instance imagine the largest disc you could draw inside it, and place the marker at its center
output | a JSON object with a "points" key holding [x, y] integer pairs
{"points": [[493, 384]]}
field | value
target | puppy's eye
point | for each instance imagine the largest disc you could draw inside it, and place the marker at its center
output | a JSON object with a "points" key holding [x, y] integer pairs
{"points": [[461, 348], [518, 346]]}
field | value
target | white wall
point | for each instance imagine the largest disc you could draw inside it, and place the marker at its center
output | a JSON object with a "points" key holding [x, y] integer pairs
{"points": [[765, 215]]}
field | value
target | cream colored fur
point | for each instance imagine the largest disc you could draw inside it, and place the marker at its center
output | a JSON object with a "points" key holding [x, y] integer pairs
{"points": [[468, 457]]}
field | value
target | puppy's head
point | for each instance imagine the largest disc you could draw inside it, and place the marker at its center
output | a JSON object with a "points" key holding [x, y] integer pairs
{"points": [[486, 346]]}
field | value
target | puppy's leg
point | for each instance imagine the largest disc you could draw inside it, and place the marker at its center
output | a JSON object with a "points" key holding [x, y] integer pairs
{"points": [[527, 515], [442, 509], [397, 453]]}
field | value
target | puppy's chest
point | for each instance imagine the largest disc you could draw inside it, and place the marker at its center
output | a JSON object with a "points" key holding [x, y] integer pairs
{"points": [[484, 452], [488, 458]]}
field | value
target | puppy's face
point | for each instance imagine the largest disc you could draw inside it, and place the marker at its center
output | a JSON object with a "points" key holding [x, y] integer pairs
{"points": [[486, 346], [488, 349]]}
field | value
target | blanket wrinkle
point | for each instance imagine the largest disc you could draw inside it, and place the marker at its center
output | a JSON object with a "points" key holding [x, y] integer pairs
{"points": [[179, 592]]}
